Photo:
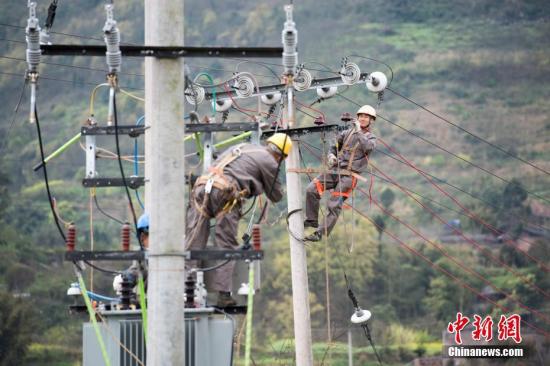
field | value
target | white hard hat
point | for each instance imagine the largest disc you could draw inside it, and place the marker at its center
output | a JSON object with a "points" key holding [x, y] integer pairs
{"points": [[367, 109]]}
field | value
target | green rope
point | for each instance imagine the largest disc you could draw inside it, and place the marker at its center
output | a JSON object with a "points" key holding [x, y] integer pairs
{"points": [[91, 311], [250, 305], [143, 305]]}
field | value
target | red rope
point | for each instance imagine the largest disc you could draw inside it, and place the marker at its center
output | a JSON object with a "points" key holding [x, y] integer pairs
{"points": [[470, 214], [461, 265], [439, 268], [469, 240]]}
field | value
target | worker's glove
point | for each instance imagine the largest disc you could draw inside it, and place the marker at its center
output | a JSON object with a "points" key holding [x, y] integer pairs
{"points": [[356, 126], [332, 160], [117, 284]]}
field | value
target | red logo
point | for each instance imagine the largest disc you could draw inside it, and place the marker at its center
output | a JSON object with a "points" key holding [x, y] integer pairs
{"points": [[483, 328], [509, 327], [456, 326]]}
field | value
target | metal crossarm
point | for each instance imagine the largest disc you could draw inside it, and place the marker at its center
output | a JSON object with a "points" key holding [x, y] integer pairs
{"points": [[132, 182], [78, 255], [162, 51], [132, 130]]}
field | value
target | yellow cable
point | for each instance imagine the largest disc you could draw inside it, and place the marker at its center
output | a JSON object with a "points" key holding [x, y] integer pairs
{"points": [[132, 95], [92, 97]]}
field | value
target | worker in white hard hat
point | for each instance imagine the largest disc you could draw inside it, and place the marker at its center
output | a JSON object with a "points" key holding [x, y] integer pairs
{"points": [[350, 152], [241, 172]]}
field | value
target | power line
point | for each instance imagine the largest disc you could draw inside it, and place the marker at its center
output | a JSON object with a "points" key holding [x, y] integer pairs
{"points": [[444, 181], [71, 66], [474, 217], [16, 109], [480, 247], [446, 150], [468, 132], [66, 81], [443, 270]]}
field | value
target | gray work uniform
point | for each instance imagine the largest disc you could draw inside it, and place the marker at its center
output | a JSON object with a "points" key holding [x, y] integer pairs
{"points": [[250, 174], [352, 149]]}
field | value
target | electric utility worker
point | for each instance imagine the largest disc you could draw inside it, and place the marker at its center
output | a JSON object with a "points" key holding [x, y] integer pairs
{"points": [[241, 172], [132, 272], [351, 152]]}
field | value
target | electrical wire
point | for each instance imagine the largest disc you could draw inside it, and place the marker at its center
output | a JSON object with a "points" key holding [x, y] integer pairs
{"points": [[16, 109], [65, 65], [123, 176], [42, 77], [470, 214], [479, 138], [46, 181], [476, 274], [380, 62], [102, 269], [105, 213], [485, 251], [524, 279], [443, 181], [444, 271], [446, 150]]}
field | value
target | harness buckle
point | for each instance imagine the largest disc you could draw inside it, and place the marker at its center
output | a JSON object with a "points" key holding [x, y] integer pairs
{"points": [[237, 151], [208, 186]]}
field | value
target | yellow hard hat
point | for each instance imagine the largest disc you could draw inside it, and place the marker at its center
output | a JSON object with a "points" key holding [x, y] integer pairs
{"points": [[367, 109], [282, 141]]}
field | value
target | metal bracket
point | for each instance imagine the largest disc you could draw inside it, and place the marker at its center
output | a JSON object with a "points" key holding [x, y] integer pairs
{"points": [[77, 255], [220, 127], [236, 255], [132, 130], [131, 182], [162, 51], [306, 130]]}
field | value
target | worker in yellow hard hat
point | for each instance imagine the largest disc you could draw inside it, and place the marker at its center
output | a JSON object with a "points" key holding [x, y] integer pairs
{"points": [[241, 172], [351, 152]]}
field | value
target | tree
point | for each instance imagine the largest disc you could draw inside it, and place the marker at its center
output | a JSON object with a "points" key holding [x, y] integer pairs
{"points": [[16, 327], [380, 225], [387, 198]]}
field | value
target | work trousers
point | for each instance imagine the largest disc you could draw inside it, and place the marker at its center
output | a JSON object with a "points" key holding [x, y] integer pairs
{"points": [[341, 186], [198, 229]]}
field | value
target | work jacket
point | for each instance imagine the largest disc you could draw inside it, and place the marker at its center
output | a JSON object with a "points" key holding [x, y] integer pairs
{"points": [[353, 149], [255, 171]]}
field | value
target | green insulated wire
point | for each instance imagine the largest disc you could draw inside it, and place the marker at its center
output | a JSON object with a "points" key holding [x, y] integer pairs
{"points": [[91, 311], [211, 80], [143, 305], [250, 305], [60, 150]]}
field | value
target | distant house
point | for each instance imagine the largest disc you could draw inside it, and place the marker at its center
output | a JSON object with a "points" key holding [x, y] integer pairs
{"points": [[540, 217]]}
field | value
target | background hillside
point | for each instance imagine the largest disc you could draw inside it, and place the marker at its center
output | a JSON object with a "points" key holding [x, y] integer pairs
{"points": [[482, 65]]}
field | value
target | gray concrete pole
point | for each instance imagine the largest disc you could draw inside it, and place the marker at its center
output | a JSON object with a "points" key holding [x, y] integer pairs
{"points": [[165, 190], [350, 349], [298, 255]]}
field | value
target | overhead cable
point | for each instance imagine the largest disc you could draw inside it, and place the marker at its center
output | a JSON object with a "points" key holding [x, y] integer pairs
{"points": [[514, 156]]}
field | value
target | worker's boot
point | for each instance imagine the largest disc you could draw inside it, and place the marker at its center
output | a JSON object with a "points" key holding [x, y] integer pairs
{"points": [[225, 300], [311, 223], [315, 236]]}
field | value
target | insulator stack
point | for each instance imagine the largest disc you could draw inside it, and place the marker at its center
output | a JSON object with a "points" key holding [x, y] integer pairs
{"points": [[256, 237], [33, 39], [290, 40], [112, 41], [125, 234], [190, 291], [70, 239]]}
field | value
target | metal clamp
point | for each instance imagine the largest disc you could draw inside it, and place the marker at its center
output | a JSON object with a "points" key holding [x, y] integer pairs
{"points": [[208, 186]]}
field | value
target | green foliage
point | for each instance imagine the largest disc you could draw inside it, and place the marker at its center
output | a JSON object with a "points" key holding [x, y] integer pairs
{"points": [[16, 328]]}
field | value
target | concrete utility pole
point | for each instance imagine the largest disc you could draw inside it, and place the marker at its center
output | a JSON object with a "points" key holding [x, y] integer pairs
{"points": [[165, 190], [298, 255]]}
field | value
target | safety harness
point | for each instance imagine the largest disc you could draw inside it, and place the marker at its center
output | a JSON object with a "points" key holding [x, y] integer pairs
{"points": [[217, 179], [321, 188]]}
